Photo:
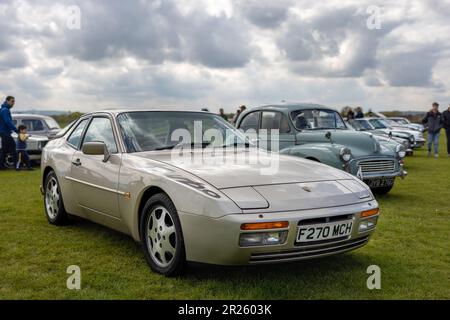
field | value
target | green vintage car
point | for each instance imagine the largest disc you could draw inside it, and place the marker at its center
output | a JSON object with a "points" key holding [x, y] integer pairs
{"points": [[318, 133]]}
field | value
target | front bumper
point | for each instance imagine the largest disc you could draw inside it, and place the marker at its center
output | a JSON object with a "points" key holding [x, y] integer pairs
{"points": [[216, 241], [419, 143]]}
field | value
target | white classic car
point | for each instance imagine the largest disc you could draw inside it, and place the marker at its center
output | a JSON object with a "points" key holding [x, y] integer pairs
{"points": [[122, 169], [35, 144]]}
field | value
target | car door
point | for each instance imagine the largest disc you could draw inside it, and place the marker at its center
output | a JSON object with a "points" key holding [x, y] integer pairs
{"points": [[95, 181], [275, 120]]}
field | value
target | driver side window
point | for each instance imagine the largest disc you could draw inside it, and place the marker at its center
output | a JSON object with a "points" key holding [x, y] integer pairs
{"points": [[100, 129]]}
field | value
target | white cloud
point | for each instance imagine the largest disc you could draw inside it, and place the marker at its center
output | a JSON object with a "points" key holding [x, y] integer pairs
{"points": [[194, 54]]}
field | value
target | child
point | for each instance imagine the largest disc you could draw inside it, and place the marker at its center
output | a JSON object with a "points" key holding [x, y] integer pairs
{"points": [[22, 153]]}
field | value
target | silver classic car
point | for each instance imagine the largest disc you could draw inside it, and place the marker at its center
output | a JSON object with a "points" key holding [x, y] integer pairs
{"points": [[207, 200], [318, 133]]}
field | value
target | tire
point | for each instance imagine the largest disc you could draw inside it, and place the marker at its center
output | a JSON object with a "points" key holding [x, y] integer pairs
{"points": [[53, 201], [9, 163], [162, 237], [382, 190]]}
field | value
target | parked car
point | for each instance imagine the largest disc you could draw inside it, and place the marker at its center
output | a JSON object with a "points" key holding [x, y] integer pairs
{"points": [[117, 168], [35, 144], [382, 136], [318, 133], [390, 127], [405, 122], [365, 125], [36, 124]]}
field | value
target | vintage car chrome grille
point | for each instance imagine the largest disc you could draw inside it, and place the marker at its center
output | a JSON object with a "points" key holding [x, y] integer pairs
{"points": [[376, 166], [307, 253]]}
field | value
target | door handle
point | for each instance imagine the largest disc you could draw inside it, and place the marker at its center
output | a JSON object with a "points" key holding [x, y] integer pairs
{"points": [[76, 162]]}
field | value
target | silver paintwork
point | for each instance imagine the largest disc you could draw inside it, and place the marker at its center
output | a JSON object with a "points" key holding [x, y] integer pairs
{"points": [[211, 213]]}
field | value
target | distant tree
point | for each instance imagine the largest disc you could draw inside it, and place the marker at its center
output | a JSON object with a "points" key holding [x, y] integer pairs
{"points": [[64, 119]]}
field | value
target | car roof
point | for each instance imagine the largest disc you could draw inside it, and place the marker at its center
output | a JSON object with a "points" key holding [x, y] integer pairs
{"points": [[30, 115], [119, 111], [292, 107]]}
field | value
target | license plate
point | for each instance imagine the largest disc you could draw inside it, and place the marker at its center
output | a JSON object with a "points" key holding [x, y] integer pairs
{"points": [[324, 231], [379, 182]]}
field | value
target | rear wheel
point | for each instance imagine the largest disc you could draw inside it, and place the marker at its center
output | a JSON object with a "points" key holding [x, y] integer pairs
{"points": [[53, 201], [161, 236]]}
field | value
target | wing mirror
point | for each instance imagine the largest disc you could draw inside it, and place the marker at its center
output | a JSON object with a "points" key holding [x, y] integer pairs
{"points": [[96, 148]]}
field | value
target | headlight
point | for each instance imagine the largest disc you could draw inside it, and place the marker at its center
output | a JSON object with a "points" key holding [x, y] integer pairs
{"points": [[262, 238], [400, 151], [346, 154], [368, 224]]}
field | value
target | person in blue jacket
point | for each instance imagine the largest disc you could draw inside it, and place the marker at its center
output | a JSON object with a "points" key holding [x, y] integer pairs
{"points": [[6, 128]]}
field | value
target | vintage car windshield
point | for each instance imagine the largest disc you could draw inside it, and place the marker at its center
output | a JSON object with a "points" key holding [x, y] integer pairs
{"points": [[361, 125], [378, 124], [317, 119], [159, 130]]}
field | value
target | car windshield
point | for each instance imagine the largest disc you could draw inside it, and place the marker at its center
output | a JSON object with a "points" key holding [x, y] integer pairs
{"points": [[52, 124], [378, 124], [159, 130], [401, 121], [317, 119], [361, 125]]}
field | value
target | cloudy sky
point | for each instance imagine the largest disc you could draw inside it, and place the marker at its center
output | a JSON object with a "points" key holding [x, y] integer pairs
{"points": [[224, 53]]}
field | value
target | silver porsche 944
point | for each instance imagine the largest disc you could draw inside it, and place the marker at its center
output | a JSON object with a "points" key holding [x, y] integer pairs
{"points": [[214, 200]]}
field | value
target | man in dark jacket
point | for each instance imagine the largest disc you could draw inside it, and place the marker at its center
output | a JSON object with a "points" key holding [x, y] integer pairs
{"points": [[6, 128], [433, 122], [446, 124]]}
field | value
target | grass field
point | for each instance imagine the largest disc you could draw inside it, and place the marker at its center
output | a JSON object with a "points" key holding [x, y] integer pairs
{"points": [[411, 246]]}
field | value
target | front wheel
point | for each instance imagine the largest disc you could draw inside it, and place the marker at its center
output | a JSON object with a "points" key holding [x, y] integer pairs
{"points": [[382, 190], [53, 201], [162, 237]]}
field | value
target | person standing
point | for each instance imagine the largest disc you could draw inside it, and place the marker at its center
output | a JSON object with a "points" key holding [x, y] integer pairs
{"points": [[6, 128], [433, 121], [446, 124], [22, 154], [359, 113], [222, 114], [350, 114]]}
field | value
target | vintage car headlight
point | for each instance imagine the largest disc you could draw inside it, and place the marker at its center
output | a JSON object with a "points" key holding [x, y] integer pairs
{"points": [[262, 238], [346, 154], [401, 152]]}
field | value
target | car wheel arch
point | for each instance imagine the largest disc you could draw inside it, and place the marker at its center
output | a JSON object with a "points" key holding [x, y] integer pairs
{"points": [[46, 171], [145, 195]]}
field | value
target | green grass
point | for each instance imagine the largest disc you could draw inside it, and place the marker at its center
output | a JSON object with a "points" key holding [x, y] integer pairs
{"points": [[411, 246]]}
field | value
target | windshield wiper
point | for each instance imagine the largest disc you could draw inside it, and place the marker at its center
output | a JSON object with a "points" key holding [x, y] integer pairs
{"points": [[192, 144], [236, 144]]}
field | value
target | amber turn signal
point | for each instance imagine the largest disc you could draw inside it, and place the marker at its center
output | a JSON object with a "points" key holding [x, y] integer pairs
{"points": [[264, 225], [368, 213]]}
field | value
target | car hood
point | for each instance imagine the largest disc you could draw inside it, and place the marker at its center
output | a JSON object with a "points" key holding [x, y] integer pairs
{"points": [[243, 167], [360, 143]]}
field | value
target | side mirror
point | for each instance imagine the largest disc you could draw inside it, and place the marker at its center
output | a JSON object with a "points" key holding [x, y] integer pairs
{"points": [[96, 148]]}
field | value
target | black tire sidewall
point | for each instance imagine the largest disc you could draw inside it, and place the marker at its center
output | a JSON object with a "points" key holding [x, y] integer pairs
{"points": [[179, 260]]}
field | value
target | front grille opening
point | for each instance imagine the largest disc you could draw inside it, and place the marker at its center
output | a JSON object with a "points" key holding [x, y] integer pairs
{"points": [[304, 253], [325, 219], [375, 166]]}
